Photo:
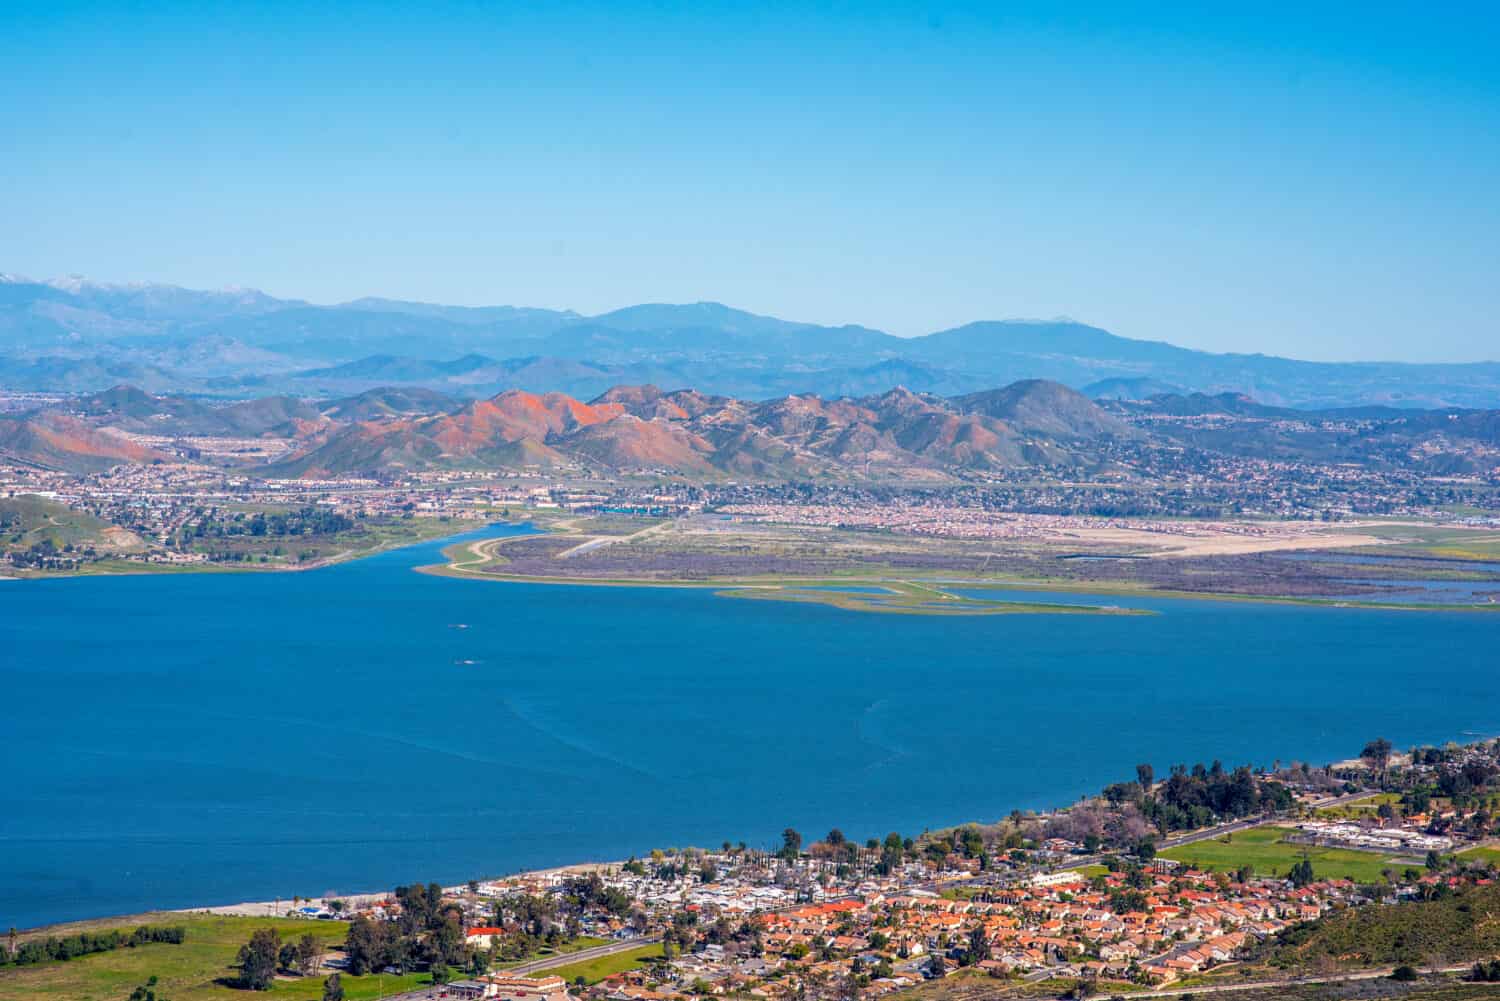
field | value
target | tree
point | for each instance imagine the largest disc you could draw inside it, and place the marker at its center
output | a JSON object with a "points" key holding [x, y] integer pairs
{"points": [[309, 955], [333, 989], [1377, 754], [447, 942], [1301, 873], [146, 992], [1146, 776], [258, 959], [979, 947], [441, 974], [935, 967], [835, 837], [367, 945], [791, 844], [891, 853]]}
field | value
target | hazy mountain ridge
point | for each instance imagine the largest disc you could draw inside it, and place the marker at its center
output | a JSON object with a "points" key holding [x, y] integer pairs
{"points": [[75, 335]]}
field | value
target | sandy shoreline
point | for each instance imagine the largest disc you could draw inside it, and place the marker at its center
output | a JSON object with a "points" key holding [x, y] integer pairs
{"points": [[279, 907]]}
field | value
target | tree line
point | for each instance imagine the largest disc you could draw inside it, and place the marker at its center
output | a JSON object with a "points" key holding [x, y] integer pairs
{"points": [[54, 948]]}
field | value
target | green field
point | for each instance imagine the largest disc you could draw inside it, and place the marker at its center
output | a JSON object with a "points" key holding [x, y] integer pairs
{"points": [[1262, 849], [1483, 854], [576, 945], [595, 970], [186, 972], [1359, 808]]}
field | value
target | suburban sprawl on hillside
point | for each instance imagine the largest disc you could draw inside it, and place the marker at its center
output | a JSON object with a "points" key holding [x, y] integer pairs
{"points": [[1206, 877]]}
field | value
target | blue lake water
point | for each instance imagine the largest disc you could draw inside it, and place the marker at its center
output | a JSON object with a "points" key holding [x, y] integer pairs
{"points": [[194, 739]]}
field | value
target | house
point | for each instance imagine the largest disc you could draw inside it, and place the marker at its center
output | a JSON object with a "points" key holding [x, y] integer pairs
{"points": [[483, 937]]}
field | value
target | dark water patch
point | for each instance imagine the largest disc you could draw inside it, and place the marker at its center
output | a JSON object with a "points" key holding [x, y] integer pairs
{"points": [[1100, 557]]}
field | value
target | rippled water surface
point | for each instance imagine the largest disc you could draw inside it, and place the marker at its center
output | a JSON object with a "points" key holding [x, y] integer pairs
{"points": [[192, 739]]}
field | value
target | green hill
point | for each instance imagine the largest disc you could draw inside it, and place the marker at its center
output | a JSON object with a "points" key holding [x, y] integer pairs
{"points": [[30, 520]]}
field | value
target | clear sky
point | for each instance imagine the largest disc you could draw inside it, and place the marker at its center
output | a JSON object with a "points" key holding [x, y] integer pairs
{"points": [[1321, 184]]}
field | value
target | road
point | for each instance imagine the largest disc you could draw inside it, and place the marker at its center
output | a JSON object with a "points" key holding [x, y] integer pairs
{"points": [[1268, 985], [610, 540], [582, 955]]}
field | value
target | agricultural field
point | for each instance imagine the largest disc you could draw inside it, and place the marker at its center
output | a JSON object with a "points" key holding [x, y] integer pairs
{"points": [[1265, 851]]}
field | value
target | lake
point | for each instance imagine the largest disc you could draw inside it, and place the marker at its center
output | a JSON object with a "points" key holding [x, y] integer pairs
{"points": [[193, 739]]}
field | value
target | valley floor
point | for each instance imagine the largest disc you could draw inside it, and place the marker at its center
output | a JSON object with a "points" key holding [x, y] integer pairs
{"points": [[769, 556]]}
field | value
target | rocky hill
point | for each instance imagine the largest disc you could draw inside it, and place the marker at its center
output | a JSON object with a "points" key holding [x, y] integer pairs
{"points": [[634, 428]]}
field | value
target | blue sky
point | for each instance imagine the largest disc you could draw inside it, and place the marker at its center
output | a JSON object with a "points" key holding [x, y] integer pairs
{"points": [[1321, 185]]}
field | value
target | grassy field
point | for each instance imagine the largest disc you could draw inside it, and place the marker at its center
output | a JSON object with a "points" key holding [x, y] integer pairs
{"points": [[1358, 809], [1483, 854], [1263, 849], [595, 970], [577, 945], [906, 597], [1440, 542], [187, 972]]}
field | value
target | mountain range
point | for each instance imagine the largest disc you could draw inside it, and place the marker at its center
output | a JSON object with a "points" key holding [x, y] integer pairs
{"points": [[76, 336], [896, 435]]}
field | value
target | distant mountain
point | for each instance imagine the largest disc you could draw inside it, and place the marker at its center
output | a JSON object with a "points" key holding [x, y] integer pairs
{"points": [[516, 319], [76, 335], [1047, 408], [1204, 404], [392, 370], [387, 402], [1128, 389], [56, 441], [55, 374], [132, 409]]}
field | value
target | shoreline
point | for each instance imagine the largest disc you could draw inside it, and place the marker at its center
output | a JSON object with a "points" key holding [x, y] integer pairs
{"points": [[279, 907], [168, 569]]}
